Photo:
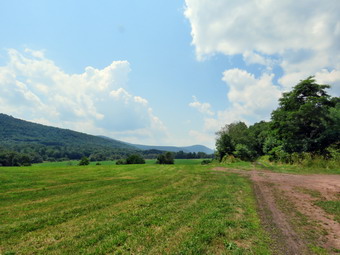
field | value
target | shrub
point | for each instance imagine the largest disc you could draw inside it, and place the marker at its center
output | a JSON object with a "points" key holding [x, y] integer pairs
{"points": [[206, 162], [229, 159], [84, 161], [120, 162], [135, 159], [165, 158], [131, 159]]}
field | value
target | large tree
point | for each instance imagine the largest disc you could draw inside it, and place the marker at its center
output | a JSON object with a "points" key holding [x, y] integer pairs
{"points": [[303, 117]]}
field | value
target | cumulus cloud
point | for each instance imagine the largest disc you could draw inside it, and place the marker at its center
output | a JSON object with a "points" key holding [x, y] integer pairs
{"points": [[96, 101], [251, 99], [302, 37], [204, 108]]}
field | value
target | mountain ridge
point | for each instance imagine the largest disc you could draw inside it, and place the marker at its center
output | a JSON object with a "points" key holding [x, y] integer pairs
{"points": [[193, 148], [21, 135]]}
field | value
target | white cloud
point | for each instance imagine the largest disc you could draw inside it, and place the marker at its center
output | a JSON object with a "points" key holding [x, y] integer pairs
{"points": [[204, 108], [32, 87], [302, 37], [202, 138], [251, 99], [251, 57], [330, 77]]}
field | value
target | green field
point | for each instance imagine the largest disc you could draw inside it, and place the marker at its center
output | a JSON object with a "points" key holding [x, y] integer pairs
{"points": [[184, 208]]}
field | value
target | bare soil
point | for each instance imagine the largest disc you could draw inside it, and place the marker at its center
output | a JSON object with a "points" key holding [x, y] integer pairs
{"points": [[281, 196]]}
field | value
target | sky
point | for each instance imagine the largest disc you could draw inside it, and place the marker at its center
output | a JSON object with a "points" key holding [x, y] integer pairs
{"points": [[166, 72]]}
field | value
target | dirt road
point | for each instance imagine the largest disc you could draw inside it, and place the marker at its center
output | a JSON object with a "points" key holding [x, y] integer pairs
{"points": [[288, 211]]}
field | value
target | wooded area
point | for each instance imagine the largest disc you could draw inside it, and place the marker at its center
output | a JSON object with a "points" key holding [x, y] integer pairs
{"points": [[306, 125]]}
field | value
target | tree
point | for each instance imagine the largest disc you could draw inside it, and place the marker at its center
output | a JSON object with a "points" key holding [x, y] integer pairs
{"points": [[232, 135], [84, 161], [259, 132], [243, 152], [224, 145], [302, 118], [165, 158]]}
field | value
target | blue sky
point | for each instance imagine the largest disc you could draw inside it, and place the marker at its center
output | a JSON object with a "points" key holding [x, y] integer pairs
{"points": [[161, 72]]}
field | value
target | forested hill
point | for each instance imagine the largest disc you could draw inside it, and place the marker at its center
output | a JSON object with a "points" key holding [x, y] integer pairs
{"points": [[18, 131], [51, 142]]}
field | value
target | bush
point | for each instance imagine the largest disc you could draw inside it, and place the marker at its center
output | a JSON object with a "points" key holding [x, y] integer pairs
{"points": [[135, 159], [230, 159], [132, 159], [120, 162], [206, 162], [165, 158], [84, 161]]}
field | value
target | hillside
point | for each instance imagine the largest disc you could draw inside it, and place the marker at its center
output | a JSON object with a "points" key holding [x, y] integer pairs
{"points": [[18, 131], [23, 136], [24, 141]]}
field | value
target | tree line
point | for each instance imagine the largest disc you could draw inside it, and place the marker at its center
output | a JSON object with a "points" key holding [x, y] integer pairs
{"points": [[25, 154], [306, 124]]}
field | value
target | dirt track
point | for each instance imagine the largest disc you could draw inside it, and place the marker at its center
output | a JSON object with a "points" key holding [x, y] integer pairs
{"points": [[281, 197]]}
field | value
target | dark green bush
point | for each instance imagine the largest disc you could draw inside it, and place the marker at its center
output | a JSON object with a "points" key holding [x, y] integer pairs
{"points": [[135, 159], [165, 158], [84, 161], [206, 162]]}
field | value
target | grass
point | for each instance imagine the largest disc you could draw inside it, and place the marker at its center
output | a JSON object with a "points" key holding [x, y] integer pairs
{"points": [[331, 207], [244, 165], [263, 163], [131, 209]]}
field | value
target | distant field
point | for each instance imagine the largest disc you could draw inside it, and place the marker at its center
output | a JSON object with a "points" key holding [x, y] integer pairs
{"points": [[113, 162], [132, 209]]}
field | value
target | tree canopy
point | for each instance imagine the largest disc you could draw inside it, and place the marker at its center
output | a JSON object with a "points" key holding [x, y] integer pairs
{"points": [[307, 120], [303, 117]]}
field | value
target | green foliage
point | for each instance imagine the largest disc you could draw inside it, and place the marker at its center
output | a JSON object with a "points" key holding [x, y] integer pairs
{"points": [[224, 145], [230, 159], [84, 161], [316, 165], [120, 162], [259, 133], [235, 139], [135, 159], [11, 158], [303, 118], [206, 162], [304, 129], [243, 152], [131, 159], [165, 158]]}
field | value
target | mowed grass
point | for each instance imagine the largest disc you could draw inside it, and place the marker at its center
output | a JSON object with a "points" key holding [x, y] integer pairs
{"points": [[129, 209]]}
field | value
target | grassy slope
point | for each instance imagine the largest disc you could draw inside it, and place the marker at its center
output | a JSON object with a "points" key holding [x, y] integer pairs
{"points": [[150, 209]]}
